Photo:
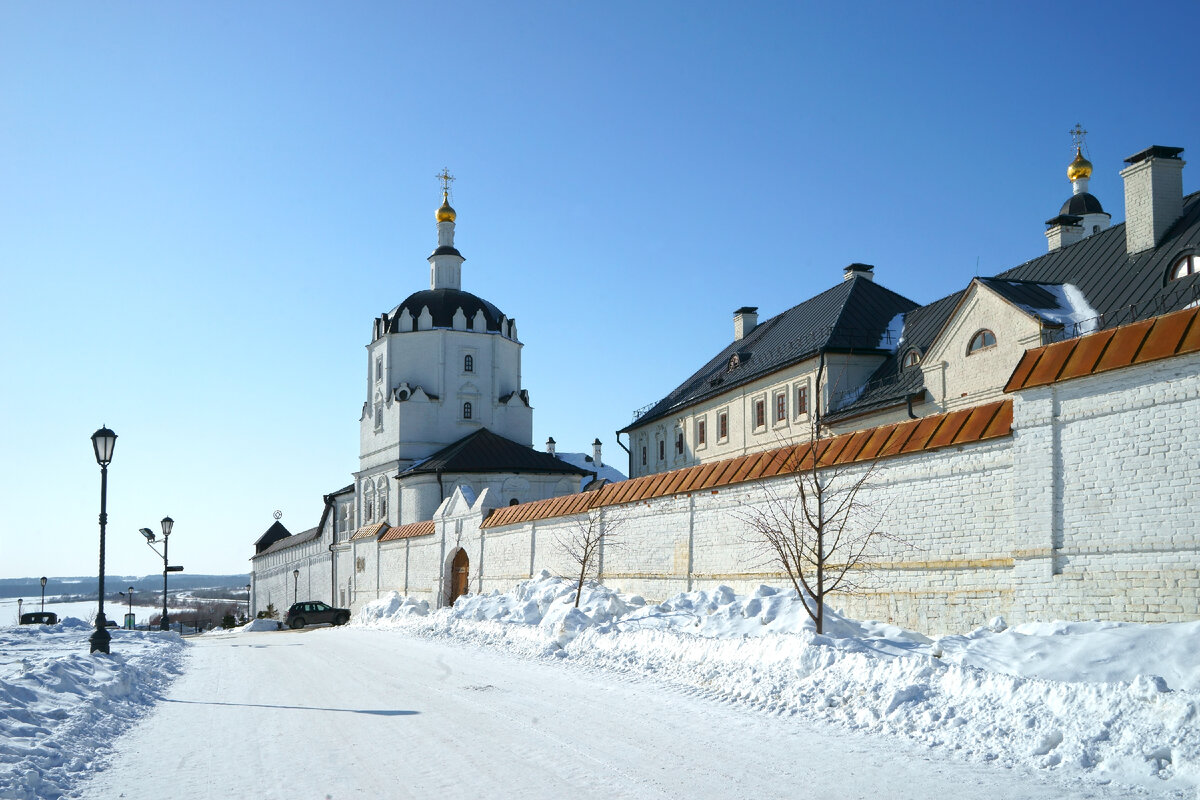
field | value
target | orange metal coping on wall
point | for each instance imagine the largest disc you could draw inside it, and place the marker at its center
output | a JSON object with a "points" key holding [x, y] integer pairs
{"points": [[965, 426], [409, 531], [369, 531], [1139, 343]]}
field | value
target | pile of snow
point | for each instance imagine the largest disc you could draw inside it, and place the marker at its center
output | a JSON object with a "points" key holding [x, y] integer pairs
{"points": [[61, 708], [252, 626], [1114, 702]]}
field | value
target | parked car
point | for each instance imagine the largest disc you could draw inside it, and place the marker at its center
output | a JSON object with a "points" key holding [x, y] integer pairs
{"points": [[314, 612], [39, 618]]}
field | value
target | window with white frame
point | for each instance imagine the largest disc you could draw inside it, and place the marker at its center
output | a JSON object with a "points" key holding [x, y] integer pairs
{"points": [[1186, 265], [678, 442], [701, 432], [368, 502], [722, 426], [801, 405], [381, 493], [781, 406], [760, 413], [379, 369]]}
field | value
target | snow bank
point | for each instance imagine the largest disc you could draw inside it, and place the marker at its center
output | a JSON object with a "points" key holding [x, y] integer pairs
{"points": [[1113, 702], [61, 708]]}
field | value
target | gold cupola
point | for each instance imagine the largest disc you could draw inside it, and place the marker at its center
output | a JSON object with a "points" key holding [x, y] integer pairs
{"points": [[446, 213], [1080, 167]]}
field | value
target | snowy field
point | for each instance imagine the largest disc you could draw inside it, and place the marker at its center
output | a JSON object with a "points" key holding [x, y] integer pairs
{"points": [[1096, 710]]}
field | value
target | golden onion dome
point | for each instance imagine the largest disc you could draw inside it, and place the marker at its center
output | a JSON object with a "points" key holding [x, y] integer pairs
{"points": [[1080, 167], [446, 213]]}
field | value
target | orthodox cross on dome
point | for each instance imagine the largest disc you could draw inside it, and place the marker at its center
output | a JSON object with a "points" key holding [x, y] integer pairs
{"points": [[1078, 135], [446, 178]]}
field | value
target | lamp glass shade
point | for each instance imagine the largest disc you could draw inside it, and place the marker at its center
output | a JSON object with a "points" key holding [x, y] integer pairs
{"points": [[43, 583], [103, 442], [167, 525], [295, 573]]}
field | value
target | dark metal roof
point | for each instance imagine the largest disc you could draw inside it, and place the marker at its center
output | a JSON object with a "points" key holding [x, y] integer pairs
{"points": [[442, 303], [484, 451], [446, 250], [273, 534], [853, 316], [1082, 203], [292, 540], [1120, 287]]}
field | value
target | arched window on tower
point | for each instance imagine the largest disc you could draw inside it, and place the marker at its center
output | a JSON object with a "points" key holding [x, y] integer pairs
{"points": [[381, 493], [466, 410], [368, 502], [468, 363]]}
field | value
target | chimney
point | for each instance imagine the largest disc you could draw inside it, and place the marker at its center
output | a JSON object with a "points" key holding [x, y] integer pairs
{"points": [[866, 271], [550, 445], [596, 454], [1064, 230], [1153, 196], [745, 319]]}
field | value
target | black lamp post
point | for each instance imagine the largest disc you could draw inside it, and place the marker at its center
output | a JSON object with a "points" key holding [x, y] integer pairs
{"points": [[247, 601], [295, 585], [20, 604], [103, 442], [43, 593], [167, 525]]}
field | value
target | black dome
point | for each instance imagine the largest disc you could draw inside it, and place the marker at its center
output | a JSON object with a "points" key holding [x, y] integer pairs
{"points": [[1080, 204], [442, 303]]}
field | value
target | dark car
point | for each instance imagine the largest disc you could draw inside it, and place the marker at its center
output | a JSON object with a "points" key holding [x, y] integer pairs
{"points": [[39, 618], [314, 612]]}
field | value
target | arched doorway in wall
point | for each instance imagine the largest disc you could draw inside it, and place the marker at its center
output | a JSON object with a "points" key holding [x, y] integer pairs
{"points": [[459, 573]]}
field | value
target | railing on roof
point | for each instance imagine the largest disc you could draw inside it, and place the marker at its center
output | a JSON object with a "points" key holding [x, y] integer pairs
{"points": [[641, 412]]}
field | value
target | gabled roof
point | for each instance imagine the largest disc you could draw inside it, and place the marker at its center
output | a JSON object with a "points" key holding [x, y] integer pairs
{"points": [[409, 531], [1120, 288], [853, 316], [484, 451]]}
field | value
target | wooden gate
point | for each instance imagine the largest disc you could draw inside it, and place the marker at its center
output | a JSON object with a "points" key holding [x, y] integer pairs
{"points": [[459, 570]]}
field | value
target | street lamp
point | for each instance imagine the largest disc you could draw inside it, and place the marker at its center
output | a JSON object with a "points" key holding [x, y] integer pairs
{"points": [[20, 604], [103, 442], [247, 601], [43, 593], [167, 525], [295, 585]]}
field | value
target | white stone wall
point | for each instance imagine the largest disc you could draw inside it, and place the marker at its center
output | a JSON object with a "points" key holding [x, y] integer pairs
{"points": [[1086, 511]]}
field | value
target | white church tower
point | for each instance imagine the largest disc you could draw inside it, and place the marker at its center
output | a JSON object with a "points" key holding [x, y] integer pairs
{"points": [[1082, 215], [440, 366]]}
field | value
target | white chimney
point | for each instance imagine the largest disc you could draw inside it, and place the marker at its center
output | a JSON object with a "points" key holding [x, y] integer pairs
{"points": [[1064, 230], [596, 454], [550, 445], [1153, 196], [745, 319], [860, 270]]}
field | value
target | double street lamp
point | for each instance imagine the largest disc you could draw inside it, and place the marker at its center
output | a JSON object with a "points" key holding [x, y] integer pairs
{"points": [[103, 442], [167, 525], [129, 596]]}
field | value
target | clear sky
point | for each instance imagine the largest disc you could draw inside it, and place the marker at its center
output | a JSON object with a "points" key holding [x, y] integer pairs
{"points": [[204, 206]]}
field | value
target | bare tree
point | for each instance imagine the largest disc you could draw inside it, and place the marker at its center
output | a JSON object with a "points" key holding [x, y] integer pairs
{"points": [[815, 524], [584, 541]]}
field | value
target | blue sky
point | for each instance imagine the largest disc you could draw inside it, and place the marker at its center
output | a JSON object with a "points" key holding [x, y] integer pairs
{"points": [[205, 205]]}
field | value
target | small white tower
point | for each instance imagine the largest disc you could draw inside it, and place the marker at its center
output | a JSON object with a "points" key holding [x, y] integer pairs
{"points": [[445, 263], [1089, 215]]}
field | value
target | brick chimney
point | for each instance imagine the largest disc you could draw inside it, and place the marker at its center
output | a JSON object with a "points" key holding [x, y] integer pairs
{"points": [[1064, 230], [1153, 196], [745, 319]]}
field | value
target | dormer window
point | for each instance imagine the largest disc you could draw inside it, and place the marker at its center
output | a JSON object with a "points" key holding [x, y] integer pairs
{"points": [[468, 363], [1188, 265], [981, 341], [912, 358], [734, 362]]}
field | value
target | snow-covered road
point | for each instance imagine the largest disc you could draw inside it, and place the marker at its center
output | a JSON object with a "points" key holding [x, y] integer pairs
{"points": [[340, 713]]}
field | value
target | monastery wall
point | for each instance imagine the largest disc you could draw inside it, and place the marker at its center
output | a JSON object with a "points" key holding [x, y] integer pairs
{"points": [[1086, 510]]}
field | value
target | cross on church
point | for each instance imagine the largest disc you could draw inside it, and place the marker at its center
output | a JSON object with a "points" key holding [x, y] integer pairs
{"points": [[1077, 134], [446, 178]]}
